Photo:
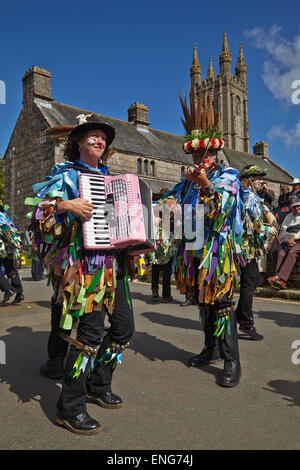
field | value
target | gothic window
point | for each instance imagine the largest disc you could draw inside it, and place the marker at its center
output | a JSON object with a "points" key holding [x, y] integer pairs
{"points": [[152, 168], [237, 105], [139, 166], [43, 137], [145, 167]]}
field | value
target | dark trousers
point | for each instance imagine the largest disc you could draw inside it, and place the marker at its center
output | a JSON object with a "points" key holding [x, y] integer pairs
{"points": [[13, 275], [167, 271], [57, 347], [72, 400], [37, 270], [192, 293], [228, 346], [250, 279]]}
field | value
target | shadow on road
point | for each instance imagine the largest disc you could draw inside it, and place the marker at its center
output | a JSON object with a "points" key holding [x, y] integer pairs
{"points": [[290, 320], [166, 319], [25, 350], [154, 348], [147, 298], [289, 390]]}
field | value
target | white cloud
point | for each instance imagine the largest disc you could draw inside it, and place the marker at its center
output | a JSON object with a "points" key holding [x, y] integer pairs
{"points": [[281, 66], [290, 138], [281, 69]]}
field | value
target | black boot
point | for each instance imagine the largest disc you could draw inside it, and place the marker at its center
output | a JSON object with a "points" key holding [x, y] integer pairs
{"points": [[251, 332], [208, 355], [7, 296], [80, 424], [99, 384], [19, 297], [53, 368], [231, 373], [188, 301], [106, 399]]}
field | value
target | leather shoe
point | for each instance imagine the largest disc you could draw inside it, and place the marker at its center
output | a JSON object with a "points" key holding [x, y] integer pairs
{"points": [[188, 302], [166, 300], [231, 373], [7, 296], [19, 297], [155, 294], [80, 424], [53, 368], [252, 333], [275, 281], [107, 399], [207, 356]]}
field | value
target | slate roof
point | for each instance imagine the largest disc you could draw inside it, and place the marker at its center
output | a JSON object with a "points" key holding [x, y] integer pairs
{"points": [[149, 143], [154, 143], [239, 159]]}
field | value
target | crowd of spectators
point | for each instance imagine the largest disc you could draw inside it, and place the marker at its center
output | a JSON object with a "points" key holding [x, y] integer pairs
{"points": [[287, 214]]}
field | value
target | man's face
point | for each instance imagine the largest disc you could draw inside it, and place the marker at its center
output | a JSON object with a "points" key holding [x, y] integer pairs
{"points": [[93, 144], [257, 183], [264, 185], [296, 209], [210, 157], [296, 187]]}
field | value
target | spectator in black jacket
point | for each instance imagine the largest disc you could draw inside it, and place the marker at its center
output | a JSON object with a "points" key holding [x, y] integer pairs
{"points": [[267, 195], [283, 203]]}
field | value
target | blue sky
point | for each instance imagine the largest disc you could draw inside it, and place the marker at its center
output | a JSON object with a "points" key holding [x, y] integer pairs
{"points": [[104, 56]]}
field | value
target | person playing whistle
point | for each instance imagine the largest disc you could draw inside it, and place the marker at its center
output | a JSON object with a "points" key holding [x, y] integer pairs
{"points": [[213, 264], [87, 283]]}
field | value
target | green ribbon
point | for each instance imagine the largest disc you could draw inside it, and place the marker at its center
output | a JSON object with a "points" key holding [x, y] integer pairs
{"points": [[96, 280], [126, 285], [32, 201]]}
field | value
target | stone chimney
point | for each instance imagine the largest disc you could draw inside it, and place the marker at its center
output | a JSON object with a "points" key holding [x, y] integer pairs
{"points": [[36, 84], [262, 149], [138, 115]]}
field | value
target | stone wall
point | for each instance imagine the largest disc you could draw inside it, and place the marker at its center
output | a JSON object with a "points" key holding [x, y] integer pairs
{"points": [[27, 161]]}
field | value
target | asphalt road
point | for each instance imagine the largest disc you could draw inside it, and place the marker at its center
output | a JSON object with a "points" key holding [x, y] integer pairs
{"points": [[167, 405]]}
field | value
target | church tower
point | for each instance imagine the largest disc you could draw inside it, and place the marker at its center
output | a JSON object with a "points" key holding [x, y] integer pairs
{"points": [[230, 95]]}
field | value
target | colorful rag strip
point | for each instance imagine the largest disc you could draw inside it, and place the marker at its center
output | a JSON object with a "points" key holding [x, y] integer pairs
{"points": [[255, 232], [222, 252], [10, 237], [111, 357], [88, 277]]}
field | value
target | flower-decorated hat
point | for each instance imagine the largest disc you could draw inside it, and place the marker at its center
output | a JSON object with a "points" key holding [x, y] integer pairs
{"points": [[200, 122], [252, 170]]}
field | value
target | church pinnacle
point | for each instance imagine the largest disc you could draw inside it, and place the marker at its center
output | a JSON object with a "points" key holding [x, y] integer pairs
{"points": [[241, 68], [210, 71], [195, 71], [225, 57], [195, 65]]}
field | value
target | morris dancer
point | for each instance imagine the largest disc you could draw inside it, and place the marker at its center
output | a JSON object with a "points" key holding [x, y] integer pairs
{"points": [[10, 244], [83, 280], [214, 268], [256, 235]]}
